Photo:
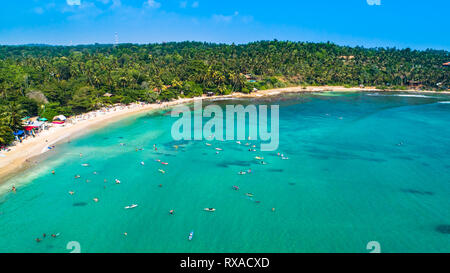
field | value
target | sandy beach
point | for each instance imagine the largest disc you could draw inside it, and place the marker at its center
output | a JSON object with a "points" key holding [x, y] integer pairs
{"points": [[16, 159]]}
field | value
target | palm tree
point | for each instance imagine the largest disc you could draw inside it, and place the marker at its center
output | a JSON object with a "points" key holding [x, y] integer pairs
{"points": [[12, 114], [6, 135]]}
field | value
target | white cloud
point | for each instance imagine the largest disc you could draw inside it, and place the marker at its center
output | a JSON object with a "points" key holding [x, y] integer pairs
{"points": [[73, 2], [374, 2], [222, 18], [153, 4]]}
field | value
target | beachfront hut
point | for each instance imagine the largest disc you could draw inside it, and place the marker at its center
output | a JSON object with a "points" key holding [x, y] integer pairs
{"points": [[59, 119]]}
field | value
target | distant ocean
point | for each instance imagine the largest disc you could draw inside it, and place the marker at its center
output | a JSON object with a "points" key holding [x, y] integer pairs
{"points": [[362, 167]]}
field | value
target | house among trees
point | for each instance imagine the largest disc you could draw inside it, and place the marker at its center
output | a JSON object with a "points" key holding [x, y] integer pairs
{"points": [[351, 57], [107, 95], [250, 78], [415, 84], [446, 64]]}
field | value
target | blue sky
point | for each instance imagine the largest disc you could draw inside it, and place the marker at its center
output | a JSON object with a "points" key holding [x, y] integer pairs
{"points": [[400, 23]]}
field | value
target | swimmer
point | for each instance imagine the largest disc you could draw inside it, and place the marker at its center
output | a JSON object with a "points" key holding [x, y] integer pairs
{"points": [[142, 163], [273, 209], [13, 189], [171, 211], [125, 234], [81, 155], [38, 240], [53, 171], [71, 192], [95, 199], [95, 173], [263, 163], [77, 176], [117, 181], [160, 185]]}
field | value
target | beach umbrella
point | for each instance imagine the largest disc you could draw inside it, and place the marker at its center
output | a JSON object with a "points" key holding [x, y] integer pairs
{"points": [[18, 133], [43, 119], [60, 117], [25, 118]]}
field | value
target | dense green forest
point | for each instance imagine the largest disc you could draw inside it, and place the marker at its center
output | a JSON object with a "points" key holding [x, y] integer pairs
{"points": [[50, 80]]}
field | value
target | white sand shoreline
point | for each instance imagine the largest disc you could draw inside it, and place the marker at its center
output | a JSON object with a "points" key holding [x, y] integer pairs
{"points": [[15, 160]]}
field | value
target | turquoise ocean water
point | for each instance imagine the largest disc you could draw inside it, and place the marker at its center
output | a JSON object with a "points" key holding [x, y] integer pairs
{"points": [[362, 167]]}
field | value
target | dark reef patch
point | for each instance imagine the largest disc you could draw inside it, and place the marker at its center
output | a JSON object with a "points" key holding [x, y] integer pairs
{"points": [[444, 229], [413, 191], [79, 204], [275, 170], [227, 164]]}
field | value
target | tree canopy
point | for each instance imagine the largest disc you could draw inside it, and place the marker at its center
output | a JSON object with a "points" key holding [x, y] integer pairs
{"points": [[50, 80]]}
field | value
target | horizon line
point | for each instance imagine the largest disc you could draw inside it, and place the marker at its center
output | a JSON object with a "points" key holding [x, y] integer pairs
{"points": [[225, 43]]}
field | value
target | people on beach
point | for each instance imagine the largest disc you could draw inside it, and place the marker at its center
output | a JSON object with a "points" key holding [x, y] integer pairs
{"points": [[171, 212], [53, 171], [13, 189]]}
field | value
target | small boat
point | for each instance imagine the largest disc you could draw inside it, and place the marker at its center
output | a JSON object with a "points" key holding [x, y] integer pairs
{"points": [[238, 142], [191, 235], [249, 194], [209, 209], [164, 163], [218, 149], [131, 206], [142, 163], [117, 181], [236, 188], [242, 173], [259, 158], [161, 171], [207, 144], [85, 165]]}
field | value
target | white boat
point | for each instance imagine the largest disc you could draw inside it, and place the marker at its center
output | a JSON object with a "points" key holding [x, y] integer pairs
{"points": [[131, 206]]}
